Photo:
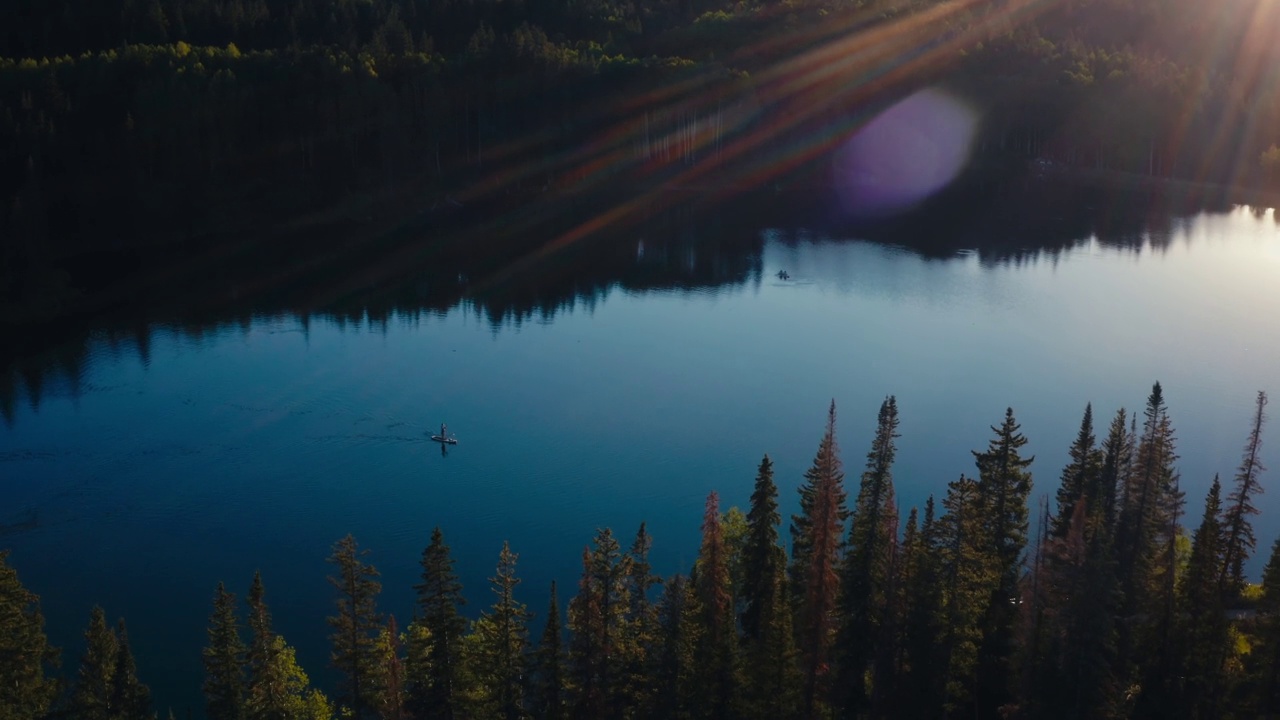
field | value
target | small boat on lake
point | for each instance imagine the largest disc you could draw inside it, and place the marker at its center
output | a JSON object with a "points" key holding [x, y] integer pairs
{"points": [[444, 436]]}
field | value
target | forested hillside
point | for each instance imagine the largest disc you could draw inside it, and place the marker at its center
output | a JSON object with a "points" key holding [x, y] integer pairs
{"points": [[132, 121], [1118, 601]]}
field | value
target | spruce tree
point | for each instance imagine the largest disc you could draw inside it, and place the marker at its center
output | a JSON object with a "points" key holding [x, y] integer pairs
{"points": [[920, 687], [1240, 541], [434, 670], [1202, 625], [816, 539], [130, 699], [588, 650], [968, 572], [550, 695], [224, 660], [601, 652], [355, 626], [678, 611], [277, 688], [1080, 478], [1142, 522], [826, 469], [1003, 487], [1117, 461], [1266, 700], [91, 696], [772, 675], [716, 656], [866, 572], [762, 550], [640, 628], [25, 654], [389, 678], [503, 640]]}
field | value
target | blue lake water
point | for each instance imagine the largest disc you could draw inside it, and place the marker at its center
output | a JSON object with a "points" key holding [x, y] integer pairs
{"points": [[139, 480]]}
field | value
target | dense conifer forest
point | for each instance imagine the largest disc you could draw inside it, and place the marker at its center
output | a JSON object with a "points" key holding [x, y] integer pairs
{"points": [[1119, 600], [131, 126]]}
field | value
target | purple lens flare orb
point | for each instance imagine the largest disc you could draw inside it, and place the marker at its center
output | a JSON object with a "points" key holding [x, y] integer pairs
{"points": [[904, 154]]}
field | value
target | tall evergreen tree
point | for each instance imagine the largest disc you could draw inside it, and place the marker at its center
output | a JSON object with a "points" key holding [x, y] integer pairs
{"points": [[1266, 700], [224, 660], [716, 655], [91, 696], [389, 678], [1004, 483], [598, 619], [866, 572], [130, 699], [277, 688], [816, 540], [919, 690], [1143, 520], [772, 675], [640, 630], [1202, 625], [677, 693], [550, 696], [1240, 541], [761, 551], [968, 573], [1080, 478], [25, 654], [826, 467], [1117, 462], [355, 626], [504, 637], [434, 670]]}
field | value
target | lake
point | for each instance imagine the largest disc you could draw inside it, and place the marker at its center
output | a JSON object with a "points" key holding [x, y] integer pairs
{"points": [[143, 461]]}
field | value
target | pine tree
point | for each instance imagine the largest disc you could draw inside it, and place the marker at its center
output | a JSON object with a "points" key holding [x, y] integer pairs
{"points": [[434, 669], [91, 697], [640, 628], [389, 677], [919, 690], [761, 551], [224, 660], [550, 696], [968, 572], [716, 656], [25, 654], [1240, 541], [598, 617], [866, 572], [1142, 522], [1080, 478], [277, 689], [587, 648], [1202, 625], [1114, 476], [1003, 487], [677, 693], [1266, 701], [130, 699], [503, 639], [356, 626], [826, 467], [772, 690], [816, 539]]}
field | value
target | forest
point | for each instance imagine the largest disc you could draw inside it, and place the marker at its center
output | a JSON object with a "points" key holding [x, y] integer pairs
{"points": [[134, 127], [1116, 602]]}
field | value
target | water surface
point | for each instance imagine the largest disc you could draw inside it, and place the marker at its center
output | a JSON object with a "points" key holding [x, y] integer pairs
{"points": [[139, 474]]}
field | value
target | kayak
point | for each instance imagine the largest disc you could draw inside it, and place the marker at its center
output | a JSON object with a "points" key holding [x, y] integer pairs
{"points": [[445, 440]]}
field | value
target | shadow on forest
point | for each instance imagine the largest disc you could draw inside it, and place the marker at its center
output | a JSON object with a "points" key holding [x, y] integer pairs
{"points": [[681, 243]]}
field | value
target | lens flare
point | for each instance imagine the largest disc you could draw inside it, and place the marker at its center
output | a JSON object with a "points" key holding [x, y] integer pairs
{"points": [[904, 154]]}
